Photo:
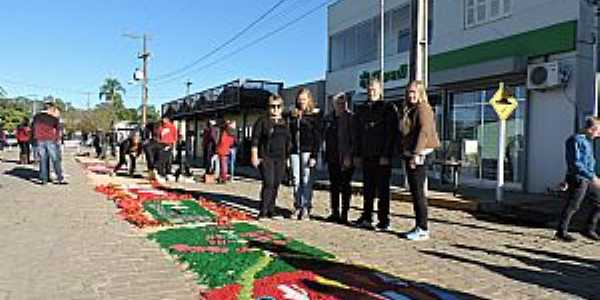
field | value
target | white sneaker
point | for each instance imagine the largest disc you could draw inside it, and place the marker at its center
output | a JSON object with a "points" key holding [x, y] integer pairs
{"points": [[170, 177], [418, 234], [160, 179]]}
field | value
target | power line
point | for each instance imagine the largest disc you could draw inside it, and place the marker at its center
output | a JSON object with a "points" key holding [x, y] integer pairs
{"points": [[225, 44], [248, 45], [39, 86]]}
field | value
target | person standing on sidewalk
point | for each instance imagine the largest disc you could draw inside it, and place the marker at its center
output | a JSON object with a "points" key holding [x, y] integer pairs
{"points": [[582, 180], [305, 127], [46, 133], [376, 127], [226, 141], [167, 138], [131, 147], [418, 139], [209, 145], [23, 135], [271, 143], [337, 130], [233, 150]]}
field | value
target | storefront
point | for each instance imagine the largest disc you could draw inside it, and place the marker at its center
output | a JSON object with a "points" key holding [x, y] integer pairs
{"points": [[242, 101], [474, 46]]}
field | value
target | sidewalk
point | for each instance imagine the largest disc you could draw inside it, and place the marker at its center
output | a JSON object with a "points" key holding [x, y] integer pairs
{"points": [[481, 255], [65, 242]]}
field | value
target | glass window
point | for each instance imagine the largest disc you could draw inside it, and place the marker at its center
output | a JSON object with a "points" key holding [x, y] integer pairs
{"points": [[361, 43], [473, 123], [479, 12]]}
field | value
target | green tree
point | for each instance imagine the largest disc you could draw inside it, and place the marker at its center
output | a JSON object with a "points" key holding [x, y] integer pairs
{"points": [[111, 91], [2, 92]]}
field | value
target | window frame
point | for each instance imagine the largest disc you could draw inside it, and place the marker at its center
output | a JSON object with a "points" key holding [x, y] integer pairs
{"points": [[472, 6]]}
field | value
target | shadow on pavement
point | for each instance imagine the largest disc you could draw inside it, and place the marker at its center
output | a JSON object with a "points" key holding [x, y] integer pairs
{"points": [[573, 276], [359, 282], [240, 201], [23, 173]]}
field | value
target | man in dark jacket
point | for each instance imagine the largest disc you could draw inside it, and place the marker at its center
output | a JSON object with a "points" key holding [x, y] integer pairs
{"points": [[337, 130], [46, 133], [375, 128], [582, 180], [131, 147]]}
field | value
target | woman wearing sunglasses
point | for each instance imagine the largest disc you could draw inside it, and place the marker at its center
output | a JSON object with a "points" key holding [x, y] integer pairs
{"points": [[271, 142]]}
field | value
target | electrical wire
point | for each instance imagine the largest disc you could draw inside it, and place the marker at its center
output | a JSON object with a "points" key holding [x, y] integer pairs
{"points": [[248, 45], [222, 46]]}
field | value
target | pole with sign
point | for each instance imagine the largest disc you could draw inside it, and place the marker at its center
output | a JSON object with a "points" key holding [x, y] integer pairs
{"points": [[504, 105]]}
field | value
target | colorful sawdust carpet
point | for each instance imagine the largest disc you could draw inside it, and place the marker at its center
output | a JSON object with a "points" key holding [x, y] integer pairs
{"points": [[243, 261]]}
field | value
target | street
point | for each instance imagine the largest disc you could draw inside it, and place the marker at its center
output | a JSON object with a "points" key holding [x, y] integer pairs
{"points": [[65, 242]]}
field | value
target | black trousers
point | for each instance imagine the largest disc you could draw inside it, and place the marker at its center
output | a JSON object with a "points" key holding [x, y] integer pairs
{"points": [[376, 182], [340, 184], [123, 161], [152, 152], [165, 160], [24, 149], [578, 191], [416, 184], [271, 172]]}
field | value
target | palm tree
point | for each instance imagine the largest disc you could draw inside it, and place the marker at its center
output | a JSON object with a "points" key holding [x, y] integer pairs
{"points": [[111, 91]]}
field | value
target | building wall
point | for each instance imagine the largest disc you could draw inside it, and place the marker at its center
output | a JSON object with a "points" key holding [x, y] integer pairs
{"points": [[449, 33], [449, 22], [551, 114]]}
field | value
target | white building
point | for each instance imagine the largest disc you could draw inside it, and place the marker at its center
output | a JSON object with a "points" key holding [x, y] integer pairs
{"points": [[475, 44]]}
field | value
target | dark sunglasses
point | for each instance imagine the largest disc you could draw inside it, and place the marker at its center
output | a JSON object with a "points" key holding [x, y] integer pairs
{"points": [[275, 106]]}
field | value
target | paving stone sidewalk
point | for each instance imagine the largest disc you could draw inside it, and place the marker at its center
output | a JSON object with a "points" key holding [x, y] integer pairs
{"points": [[65, 242], [475, 255]]}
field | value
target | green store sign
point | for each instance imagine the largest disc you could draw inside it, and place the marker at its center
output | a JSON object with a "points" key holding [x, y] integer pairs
{"points": [[399, 74]]}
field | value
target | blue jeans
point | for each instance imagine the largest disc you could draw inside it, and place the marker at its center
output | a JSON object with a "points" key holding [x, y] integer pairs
{"points": [[48, 151], [303, 184], [232, 153]]}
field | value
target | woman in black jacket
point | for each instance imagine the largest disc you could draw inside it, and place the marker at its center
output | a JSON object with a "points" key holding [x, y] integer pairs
{"points": [[305, 127], [271, 141]]}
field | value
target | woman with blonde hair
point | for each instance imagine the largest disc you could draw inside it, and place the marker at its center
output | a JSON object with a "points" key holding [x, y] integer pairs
{"points": [[418, 139], [305, 128]]}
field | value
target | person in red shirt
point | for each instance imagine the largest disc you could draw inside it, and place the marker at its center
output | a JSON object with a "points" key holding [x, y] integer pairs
{"points": [[23, 135], [226, 141], [167, 138]]}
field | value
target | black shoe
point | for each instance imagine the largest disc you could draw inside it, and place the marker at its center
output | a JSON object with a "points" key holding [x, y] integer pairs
{"points": [[300, 216], [363, 223], [333, 219], [592, 235], [565, 237], [383, 227], [61, 182]]}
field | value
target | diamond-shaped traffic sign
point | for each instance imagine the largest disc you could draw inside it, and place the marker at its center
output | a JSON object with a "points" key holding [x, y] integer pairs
{"points": [[503, 103]]}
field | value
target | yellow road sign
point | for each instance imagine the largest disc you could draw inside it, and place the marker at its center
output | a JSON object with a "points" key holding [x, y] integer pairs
{"points": [[503, 103]]}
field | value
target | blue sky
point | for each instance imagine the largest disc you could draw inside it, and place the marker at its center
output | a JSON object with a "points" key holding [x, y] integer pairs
{"points": [[66, 48]]}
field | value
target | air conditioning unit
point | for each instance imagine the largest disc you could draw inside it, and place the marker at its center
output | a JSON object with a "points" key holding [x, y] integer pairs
{"points": [[543, 76]]}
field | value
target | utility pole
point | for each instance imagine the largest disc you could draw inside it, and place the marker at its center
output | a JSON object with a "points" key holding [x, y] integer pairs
{"points": [[144, 57], [382, 48], [419, 62], [88, 100], [188, 84]]}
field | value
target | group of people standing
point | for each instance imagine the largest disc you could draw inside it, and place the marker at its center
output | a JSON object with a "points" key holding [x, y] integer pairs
{"points": [[368, 138], [219, 147], [44, 135]]}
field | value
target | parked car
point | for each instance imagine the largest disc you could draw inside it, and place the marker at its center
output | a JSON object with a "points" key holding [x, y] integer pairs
{"points": [[11, 140]]}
